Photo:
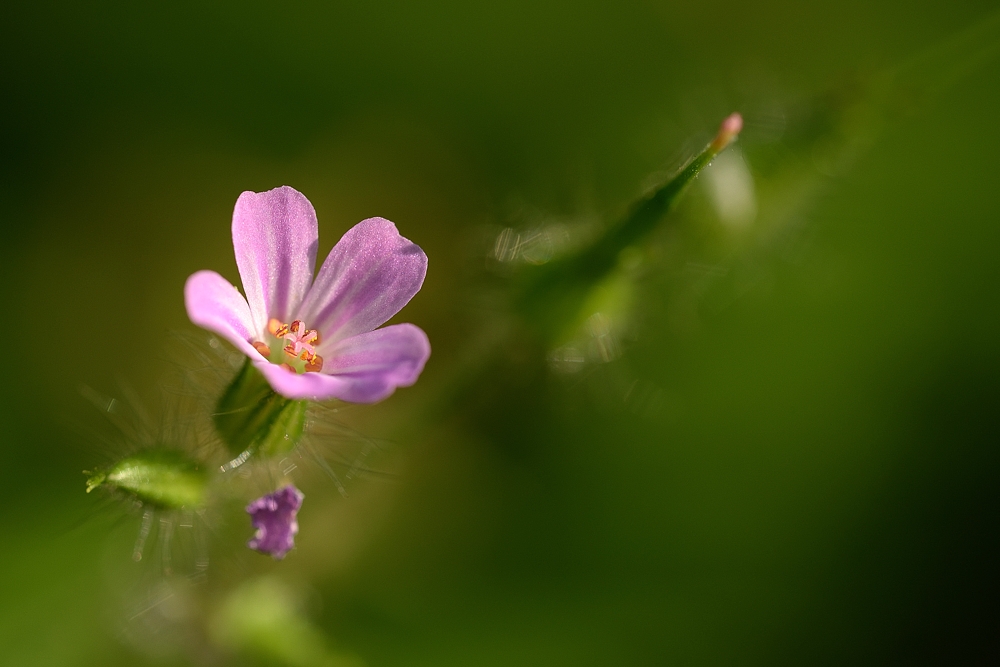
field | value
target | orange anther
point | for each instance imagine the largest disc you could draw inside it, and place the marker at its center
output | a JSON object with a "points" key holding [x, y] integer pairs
{"points": [[264, 350], [314, 365], [299, 345]]}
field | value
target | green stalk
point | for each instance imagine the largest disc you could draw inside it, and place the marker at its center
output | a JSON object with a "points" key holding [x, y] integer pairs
{"points": [[552, 295]]}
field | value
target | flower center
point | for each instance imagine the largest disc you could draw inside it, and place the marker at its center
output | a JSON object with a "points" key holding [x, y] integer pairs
{"points": [[292, 345]]}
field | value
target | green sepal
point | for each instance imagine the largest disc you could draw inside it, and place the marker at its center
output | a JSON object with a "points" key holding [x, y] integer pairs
{"points": [[164, 477], [252, 419]]}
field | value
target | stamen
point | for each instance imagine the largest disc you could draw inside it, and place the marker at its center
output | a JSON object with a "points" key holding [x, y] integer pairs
{"points": [[314, 365], [264, 350], [300, 344]]}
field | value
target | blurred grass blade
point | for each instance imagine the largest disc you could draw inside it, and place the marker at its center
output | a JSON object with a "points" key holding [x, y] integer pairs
{"points": [[552, 295], [933, 71]]}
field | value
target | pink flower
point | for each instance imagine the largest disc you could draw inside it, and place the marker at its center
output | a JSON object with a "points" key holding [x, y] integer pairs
{"points": [[316, 339]]}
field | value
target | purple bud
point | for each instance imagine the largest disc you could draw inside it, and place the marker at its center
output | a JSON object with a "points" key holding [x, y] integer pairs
{"points": [[273, 516]]}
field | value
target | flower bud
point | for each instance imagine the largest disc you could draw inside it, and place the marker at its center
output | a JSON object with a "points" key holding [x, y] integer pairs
{"points": [[162, 477], [274, 518]]}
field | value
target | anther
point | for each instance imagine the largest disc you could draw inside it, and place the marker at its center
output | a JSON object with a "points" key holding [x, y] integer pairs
{"points": [[300, 344], [264, 350], [315, 364]]}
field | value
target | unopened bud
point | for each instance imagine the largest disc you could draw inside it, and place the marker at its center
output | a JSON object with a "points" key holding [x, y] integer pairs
{"points": [[163, 477], [274, 518], [728, 131]]}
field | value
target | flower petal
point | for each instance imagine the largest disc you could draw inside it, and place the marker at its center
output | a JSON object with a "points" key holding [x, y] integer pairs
{"points": [[368, 277], [361, 369], [275, 236], [214, 304]]}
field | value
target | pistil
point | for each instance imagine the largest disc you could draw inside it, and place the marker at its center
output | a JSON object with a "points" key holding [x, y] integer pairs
{"points": [[299, 346]]}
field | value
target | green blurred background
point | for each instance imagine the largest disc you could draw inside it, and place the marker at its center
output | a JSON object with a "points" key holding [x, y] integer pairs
{"points": [[789, 457]]}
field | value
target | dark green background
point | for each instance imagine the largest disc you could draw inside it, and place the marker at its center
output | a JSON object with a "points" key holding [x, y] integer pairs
{"points": [[794, 464]]}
